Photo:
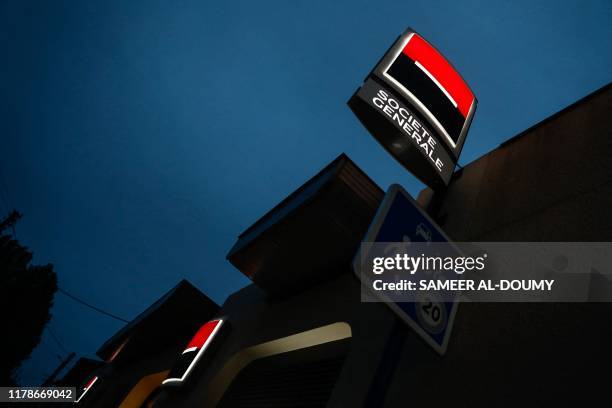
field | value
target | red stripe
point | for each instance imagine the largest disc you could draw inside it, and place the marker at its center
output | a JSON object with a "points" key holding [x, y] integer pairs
{"points": [[203, 334], [419, 50], [90, 382]]}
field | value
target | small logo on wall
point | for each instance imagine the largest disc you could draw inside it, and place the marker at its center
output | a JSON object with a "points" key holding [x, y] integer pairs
{"points": [[204, 340], [86, 388]]}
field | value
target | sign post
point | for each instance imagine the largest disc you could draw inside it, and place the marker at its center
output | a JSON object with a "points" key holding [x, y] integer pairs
{"points": [[401, 220]]}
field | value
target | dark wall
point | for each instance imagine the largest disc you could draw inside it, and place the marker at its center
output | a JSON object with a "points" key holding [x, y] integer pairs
{"points": [[551, 183], [116, 382], [256, 318]]}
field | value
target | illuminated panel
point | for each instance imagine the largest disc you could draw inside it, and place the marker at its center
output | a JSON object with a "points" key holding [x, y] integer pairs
{"points": [[87, 387], [193, 352], [117, 351], [428, 79], [445, 76], [418, 107]]}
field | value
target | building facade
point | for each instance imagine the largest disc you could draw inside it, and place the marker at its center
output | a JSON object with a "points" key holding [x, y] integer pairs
{"points": [[300, 335]]}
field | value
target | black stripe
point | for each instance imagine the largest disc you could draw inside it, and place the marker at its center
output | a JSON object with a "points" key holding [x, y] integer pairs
{"points": [[420, 85], [182, 364]]}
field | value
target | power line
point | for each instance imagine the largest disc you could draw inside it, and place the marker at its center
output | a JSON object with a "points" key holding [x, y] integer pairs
{"points": [[89, 305], [47, 343], [50, 380], [54, 337]]}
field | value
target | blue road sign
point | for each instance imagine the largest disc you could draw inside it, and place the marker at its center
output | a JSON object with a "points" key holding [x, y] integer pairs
{"points": [[401, 220]]}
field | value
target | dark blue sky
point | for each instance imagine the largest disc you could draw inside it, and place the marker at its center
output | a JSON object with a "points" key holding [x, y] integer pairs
{"points": [[139, 138]]}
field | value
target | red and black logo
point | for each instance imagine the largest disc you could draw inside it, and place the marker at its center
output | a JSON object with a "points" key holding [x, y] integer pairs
{"points": [[428, 80], [86, 388], [194, 351]]}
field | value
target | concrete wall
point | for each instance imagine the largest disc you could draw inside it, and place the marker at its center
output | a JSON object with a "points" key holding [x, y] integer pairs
{"points": [[116, 381], [255, 319], [552, 183]]}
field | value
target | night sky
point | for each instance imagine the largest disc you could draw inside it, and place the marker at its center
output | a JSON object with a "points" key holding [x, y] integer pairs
{"points": [[140, 138]]}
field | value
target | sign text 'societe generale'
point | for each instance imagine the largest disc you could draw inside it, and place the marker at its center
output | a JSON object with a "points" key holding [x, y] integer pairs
{"points": [[418, 107]]}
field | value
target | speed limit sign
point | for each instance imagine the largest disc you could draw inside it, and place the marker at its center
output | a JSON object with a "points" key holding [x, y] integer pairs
{"points": [[431, 312], [400, 220]]}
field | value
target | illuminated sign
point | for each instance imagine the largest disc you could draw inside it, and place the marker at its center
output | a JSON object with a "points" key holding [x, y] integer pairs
{"points": [[418, 107], [194, 351], [86, 388], [401, 220]]}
